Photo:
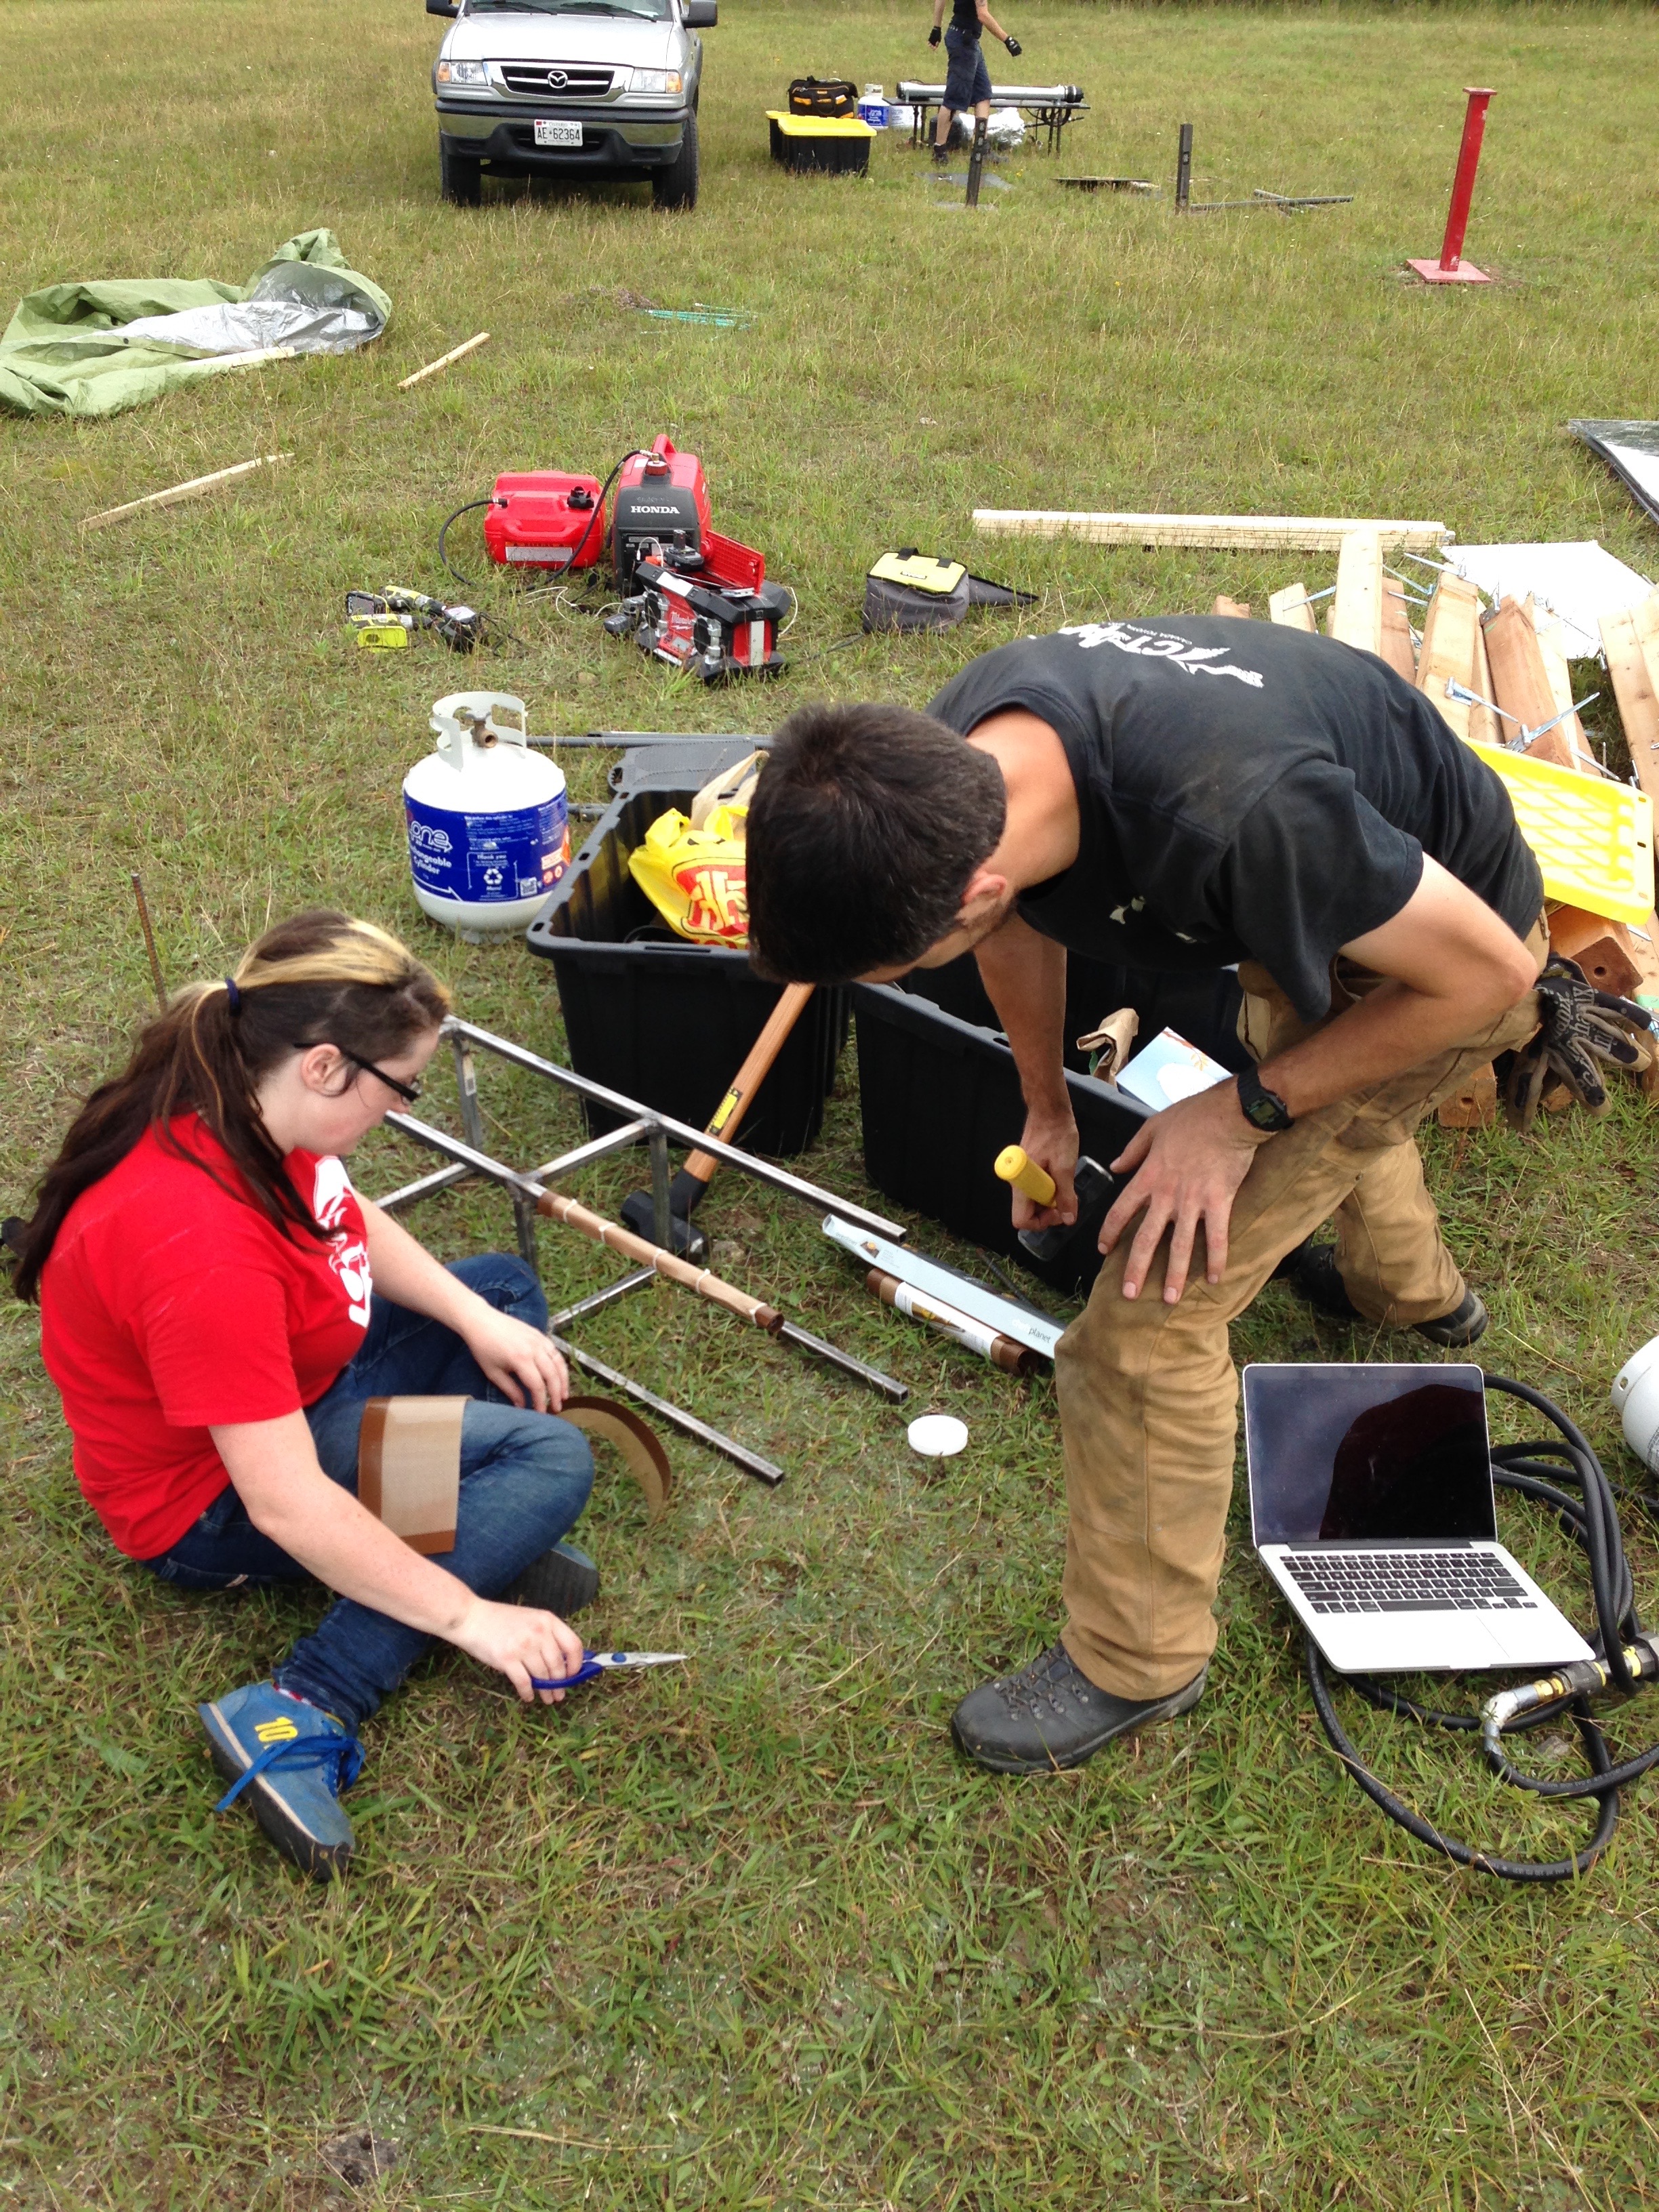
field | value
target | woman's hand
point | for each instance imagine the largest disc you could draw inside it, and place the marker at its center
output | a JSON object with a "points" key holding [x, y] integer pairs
{"points": [[1189, 1162], [517, 1358], [519, 1642]]}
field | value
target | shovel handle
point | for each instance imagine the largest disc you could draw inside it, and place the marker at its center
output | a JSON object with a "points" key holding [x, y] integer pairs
{"points": [[726, 1117]]}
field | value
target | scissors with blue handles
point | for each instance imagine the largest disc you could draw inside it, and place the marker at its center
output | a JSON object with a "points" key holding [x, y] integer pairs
{"points": [[602, 1662]]}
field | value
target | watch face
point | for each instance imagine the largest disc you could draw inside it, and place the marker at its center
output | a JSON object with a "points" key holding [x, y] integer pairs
{"points": [[1263, 1112]]}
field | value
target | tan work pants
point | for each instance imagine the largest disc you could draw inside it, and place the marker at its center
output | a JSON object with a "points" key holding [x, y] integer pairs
{"points": [[1147, 1391]]}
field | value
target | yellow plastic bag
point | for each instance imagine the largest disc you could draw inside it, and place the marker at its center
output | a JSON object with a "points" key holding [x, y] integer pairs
{"points": [[698, 879]]}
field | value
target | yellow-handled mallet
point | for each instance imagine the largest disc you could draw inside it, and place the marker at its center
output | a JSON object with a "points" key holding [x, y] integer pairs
{"points": [[1013, 1166]]}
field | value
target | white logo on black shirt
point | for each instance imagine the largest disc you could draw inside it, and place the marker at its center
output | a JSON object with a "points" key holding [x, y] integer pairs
{"points": [[1160, 644]]}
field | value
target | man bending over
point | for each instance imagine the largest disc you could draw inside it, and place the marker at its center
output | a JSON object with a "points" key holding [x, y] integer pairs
{"points": [[1179, 794]]}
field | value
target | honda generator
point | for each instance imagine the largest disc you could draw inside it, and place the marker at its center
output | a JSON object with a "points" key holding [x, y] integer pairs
{"points": [[662, 499], [545, 518], [713, 613]]}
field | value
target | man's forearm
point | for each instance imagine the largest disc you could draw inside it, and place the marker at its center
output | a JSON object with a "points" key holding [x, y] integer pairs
{"points": [[1024, 976], [1393, 1028]]}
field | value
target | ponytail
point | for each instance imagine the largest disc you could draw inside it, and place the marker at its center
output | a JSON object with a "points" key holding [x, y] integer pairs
{"points": [[320, 978]]}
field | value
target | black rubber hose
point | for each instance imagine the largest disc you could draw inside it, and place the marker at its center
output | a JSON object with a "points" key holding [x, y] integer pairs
{"points": [[471, 508], [1466, 1854], [1591, 1519]]}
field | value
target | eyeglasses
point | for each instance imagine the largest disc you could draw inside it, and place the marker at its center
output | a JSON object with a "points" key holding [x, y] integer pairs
{"points": [[409, 1092]]}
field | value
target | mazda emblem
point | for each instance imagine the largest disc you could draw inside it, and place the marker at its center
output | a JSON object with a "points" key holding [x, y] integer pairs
{"points": [[556, 80]]}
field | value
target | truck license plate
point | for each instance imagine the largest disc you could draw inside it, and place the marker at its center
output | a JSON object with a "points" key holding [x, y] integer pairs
{"points": [[558, 134]]}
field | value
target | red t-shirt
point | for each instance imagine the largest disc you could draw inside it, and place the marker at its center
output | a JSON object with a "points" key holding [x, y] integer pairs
{"points": [[167, 1306]]}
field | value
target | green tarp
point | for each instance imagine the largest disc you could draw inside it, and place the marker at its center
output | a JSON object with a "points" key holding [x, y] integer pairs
{"points": [[74, 348]]}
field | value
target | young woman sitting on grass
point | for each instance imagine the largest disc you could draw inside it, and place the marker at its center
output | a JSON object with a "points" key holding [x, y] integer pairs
{"points": [[217, 1303]]}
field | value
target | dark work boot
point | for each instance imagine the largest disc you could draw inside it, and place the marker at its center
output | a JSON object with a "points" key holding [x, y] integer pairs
{"points": [[941, 155], [1317, 1278], [1050, 1715]]}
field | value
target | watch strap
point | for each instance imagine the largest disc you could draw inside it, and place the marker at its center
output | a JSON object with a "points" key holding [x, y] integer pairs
{"points": [[1261, 1108]]}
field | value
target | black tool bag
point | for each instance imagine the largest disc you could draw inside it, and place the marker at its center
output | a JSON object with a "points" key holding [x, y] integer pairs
{"points": [[908, 590], [823, 97]]}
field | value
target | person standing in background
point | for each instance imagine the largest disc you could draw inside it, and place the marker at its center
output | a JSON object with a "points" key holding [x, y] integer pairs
{"points": [[967, 80]]}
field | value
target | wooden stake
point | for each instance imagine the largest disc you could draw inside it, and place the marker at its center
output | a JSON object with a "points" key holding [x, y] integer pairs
{"points": [[1397, 648], [1521, 681], [1292, 608], [1475, 1106], [193, 489], [1633, 668], [444, 360], [150, 943], [1239, 609], [1356, 609], [1450, 636]]}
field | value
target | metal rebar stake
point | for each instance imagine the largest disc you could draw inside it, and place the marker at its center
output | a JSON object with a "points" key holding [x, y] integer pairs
{"points": [[466, 1084], [976, 161], [1184, 168], [764, 1470]]}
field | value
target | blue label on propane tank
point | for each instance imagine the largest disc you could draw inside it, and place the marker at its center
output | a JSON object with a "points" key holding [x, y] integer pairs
{"points": [[476, 857]]}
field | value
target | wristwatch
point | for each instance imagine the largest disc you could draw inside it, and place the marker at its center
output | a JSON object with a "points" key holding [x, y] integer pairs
{"points": [[1262, 1108]]}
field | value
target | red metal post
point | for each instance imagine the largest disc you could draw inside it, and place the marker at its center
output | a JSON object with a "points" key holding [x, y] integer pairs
{"points": [[1451, 268]]}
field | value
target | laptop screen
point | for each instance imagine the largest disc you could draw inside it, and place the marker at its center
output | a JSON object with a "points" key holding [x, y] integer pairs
{"points": [[1367, 1454]]}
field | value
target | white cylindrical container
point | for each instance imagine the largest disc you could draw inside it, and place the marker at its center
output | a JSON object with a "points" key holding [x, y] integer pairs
{"points": [[873, 108], [489, 824], [1636, 1401], [900, 115]]}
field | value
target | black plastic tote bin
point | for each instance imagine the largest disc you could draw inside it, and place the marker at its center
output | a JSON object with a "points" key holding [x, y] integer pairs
{"points": [[940, 1095], [664, 1021]]}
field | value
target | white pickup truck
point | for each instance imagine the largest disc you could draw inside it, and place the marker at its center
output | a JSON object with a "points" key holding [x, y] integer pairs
{"points": [[598, 88]]}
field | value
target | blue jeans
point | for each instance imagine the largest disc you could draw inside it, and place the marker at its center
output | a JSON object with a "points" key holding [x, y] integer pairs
{"points": [[525, 1480], [967, 80]]}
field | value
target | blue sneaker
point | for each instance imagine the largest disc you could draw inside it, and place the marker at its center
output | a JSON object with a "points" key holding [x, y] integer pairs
{"points": [[293, 1760]]}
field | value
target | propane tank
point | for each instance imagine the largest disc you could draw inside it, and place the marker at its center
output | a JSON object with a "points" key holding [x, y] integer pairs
{"points": [[489, 826]]}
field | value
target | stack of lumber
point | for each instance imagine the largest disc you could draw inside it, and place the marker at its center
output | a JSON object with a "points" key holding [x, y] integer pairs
{"points": [[1512, 657]]}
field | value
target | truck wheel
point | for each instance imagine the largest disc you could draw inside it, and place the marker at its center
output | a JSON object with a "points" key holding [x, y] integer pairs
{"points": [[459, 179], [676, 186]]}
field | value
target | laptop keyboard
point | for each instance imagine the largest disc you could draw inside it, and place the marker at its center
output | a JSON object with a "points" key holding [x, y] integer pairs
{"points": [[1405, 1581]]}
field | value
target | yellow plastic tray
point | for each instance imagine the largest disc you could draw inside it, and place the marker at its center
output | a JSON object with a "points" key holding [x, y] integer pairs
{"points": [[1593, 840]]}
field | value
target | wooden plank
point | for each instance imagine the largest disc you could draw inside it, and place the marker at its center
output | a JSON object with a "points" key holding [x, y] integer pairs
{"points": [[456, 353], [1636, 687], [1292, 608], [1356, 609], [1398, 647], [1484, 726], [1552, 643], [1604, 950], [1227, 532], [1239, 609], [193, 489], [1475, 1106], [1521, 683], [1450, 636]]}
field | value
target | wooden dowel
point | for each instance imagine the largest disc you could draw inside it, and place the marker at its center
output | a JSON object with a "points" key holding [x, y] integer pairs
{"points": [[191, 490], [444, 360], [150, 943], [640, 1248]]}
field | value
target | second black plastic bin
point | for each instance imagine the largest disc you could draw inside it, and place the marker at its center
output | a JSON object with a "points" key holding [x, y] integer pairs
{"points": [[664, 1021]]}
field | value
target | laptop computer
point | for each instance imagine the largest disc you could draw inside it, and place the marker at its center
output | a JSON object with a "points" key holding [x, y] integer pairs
{"points": [[1372, 1508]]}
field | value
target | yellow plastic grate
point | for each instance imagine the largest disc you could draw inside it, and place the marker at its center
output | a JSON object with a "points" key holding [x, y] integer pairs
{"points": [[1593, 840]]}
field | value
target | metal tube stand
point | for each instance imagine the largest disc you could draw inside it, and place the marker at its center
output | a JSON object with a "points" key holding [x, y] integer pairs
{"points": [[1451, 268]]}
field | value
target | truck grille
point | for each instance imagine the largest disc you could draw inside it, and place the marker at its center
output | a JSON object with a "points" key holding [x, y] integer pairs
{"points": [[540, 79]]}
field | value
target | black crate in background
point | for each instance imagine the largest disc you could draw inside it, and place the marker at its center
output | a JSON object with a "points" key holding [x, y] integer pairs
{"points": [[664, 1021], [940, 1095]]}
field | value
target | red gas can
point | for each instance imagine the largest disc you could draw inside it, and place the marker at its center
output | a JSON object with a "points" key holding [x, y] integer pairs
{"points": [[545, 518]]}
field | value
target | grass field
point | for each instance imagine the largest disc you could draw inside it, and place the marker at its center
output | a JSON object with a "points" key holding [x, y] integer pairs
{"points": [[753, 1937]]}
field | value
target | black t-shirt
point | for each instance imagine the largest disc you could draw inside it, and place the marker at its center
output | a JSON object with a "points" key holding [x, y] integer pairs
{"points": [[1246, 791], [964, 17]]}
